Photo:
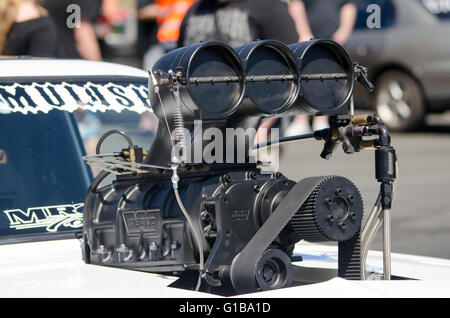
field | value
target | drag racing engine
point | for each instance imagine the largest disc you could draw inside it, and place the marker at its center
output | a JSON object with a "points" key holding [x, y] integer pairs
{"points": [[213, 210]]}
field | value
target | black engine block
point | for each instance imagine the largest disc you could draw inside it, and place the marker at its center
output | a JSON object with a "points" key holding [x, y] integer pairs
{"points": [[136, 223]]}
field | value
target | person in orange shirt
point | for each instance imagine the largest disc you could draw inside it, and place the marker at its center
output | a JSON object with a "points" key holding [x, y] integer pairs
{"points": [[168, 14], [169, 30]]}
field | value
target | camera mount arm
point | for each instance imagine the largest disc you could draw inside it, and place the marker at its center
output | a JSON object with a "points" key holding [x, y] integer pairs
{"points": [[351, 137], [350, 133]]}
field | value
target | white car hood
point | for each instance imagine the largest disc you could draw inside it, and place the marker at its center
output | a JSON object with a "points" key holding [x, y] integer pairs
{"points": [[55, 269]]}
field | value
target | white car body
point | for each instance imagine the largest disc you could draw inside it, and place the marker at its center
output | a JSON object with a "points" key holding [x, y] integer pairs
{"points": [[55, 268], [64, 68]]}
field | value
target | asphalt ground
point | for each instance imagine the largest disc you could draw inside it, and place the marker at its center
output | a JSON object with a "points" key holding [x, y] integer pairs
{"points": [[421, 209]]}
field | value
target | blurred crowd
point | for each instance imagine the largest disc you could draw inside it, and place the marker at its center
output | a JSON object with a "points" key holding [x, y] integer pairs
{"points": [[81, 29]]}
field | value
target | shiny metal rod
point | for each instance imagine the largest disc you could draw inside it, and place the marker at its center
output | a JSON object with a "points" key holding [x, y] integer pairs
{"points": [[352, 107], [387, 244], [368, 233], [283, 140]]}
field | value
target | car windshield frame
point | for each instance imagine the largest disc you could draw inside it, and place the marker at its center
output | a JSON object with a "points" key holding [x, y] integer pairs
{"points": [[114, 83]]}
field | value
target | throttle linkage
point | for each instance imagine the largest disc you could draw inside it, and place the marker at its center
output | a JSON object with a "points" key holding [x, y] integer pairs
{"points": [[350, 133]]}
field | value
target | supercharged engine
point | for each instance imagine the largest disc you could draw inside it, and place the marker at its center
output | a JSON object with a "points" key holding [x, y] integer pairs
{"points": [[213, 211]]}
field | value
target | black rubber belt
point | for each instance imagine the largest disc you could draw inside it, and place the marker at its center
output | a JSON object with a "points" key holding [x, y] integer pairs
{"points": [[243, 267], [349, 258]]}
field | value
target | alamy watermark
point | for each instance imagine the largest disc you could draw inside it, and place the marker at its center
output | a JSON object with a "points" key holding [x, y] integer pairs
{"points": [[374, 19], [74, 18], [229, 145]]}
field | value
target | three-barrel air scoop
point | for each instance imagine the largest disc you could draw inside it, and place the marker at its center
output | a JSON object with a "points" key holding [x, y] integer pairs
{"points": [[226, 87], [263, 78]]}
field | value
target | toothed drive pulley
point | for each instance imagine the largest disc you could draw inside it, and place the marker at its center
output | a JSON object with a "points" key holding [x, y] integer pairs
{"points": [[332, 212]]}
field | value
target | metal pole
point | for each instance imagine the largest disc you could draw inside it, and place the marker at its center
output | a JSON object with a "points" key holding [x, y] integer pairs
{"points": [[352, 107], [369, 230], [387, 244]]}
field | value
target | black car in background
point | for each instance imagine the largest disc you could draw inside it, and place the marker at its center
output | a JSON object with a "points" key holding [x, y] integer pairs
{"points": [[408, 58]]}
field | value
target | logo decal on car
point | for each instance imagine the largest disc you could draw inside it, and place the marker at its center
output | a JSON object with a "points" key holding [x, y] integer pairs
{"points": [[44, 97], [52, 218]]}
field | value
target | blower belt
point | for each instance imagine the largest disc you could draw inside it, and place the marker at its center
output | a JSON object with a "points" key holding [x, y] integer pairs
{"points": [[242, 270]]}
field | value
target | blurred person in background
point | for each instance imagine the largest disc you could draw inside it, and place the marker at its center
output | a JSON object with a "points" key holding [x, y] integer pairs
{"points": [[332, 19], [167, 16], [148, 11], [79, 41], [104, 24], [26, 29], [237, 22], [147, 26]]}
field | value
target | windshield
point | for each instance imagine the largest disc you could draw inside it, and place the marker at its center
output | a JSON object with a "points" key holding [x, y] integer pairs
{"points": [[45, 129], [440, 8]]}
